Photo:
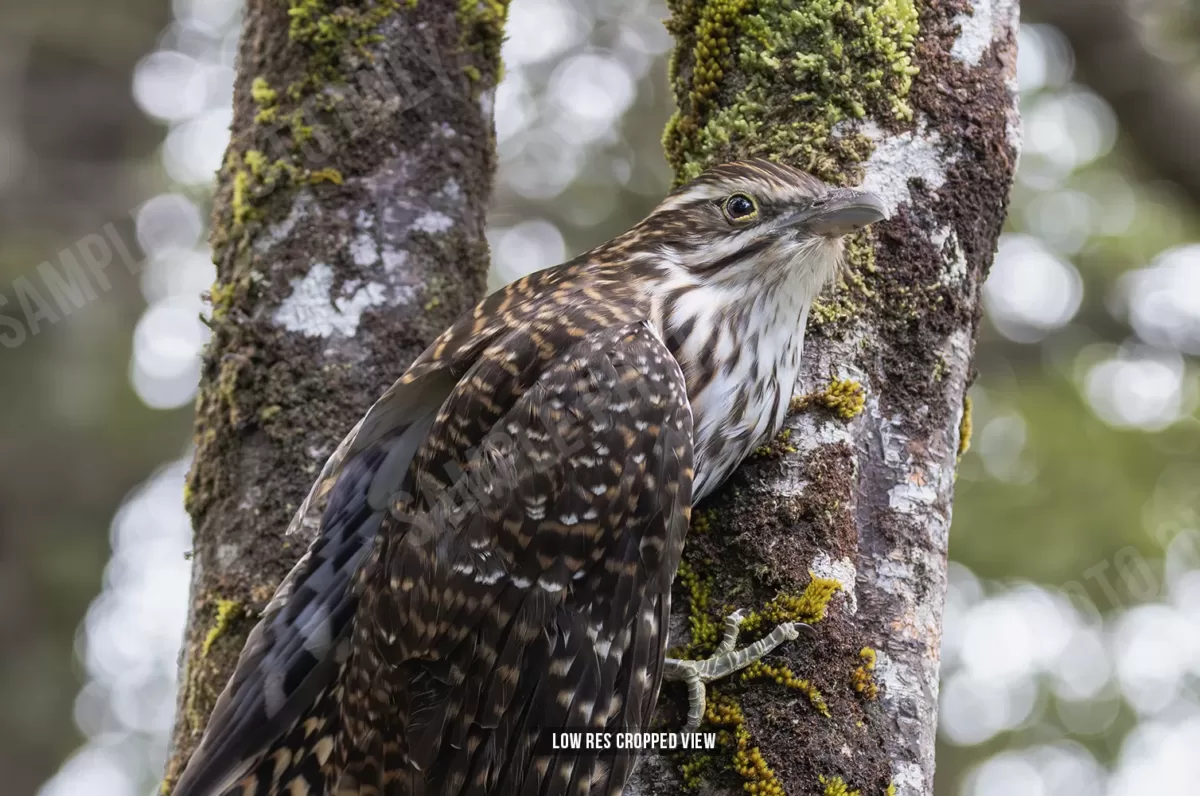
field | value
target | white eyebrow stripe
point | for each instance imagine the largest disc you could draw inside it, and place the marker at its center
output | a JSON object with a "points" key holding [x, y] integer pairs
{"points": [[760, 189], [697, 193]]}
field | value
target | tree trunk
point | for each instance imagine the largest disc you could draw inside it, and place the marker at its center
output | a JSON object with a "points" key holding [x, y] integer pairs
{"points": [[915, 100], [348, 230]]}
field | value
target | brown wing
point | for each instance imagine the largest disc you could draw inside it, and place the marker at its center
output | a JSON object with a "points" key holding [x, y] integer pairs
{"points": [[287, 671], [527, 586], [293, 653], [274, 723]]}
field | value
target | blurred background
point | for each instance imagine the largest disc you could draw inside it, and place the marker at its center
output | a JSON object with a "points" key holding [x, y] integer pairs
{"points": [[1072, 639]]}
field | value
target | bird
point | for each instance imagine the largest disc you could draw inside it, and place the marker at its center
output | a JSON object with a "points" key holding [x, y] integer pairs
{"points": [[495, 540]]}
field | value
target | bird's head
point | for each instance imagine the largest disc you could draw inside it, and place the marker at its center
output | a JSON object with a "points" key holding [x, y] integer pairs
{"points": [[751, 224]]}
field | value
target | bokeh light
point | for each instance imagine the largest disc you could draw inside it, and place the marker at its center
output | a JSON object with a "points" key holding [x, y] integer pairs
{"points": [[1030, 291], [129, 644], [1164, 300]]}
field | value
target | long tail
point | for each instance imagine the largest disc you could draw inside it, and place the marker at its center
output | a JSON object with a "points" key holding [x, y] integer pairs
{"points": [[302, 762]]}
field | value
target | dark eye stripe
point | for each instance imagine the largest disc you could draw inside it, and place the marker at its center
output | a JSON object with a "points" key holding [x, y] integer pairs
{"points": [[750, 250]]}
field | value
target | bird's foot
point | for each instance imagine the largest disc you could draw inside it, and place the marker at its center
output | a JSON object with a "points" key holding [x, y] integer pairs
{"points": [[724, 661]]}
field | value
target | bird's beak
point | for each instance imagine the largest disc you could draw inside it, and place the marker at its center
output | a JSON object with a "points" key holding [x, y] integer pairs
{"points": [[840, 212]]}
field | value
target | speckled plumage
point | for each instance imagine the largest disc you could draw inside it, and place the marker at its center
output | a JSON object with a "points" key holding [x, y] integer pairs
{"points": [[495, 541]]}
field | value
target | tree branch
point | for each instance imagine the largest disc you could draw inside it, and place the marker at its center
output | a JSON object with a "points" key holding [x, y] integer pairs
{"points": [[857, 494], [348, 230]]}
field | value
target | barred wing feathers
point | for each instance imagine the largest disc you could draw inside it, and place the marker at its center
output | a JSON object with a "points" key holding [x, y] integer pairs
{"points": [[351, 686], [537, 594], [293, 653]]}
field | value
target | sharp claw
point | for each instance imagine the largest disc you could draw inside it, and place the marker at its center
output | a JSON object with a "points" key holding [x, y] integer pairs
{"points": [[726, 660]]}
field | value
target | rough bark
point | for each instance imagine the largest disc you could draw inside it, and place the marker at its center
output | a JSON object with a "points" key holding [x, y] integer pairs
{"points": [[917, 102], [348, 230]]}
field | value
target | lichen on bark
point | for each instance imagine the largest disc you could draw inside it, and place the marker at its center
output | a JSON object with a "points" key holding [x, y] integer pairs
{"points": [[757, 77], [352, 197], [860, 491]]}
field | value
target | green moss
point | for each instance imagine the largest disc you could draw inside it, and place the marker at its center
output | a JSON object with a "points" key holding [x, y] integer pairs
{"points": [[836, 786], [844, 397], [220, 296], [839, 306], [693, 770], [240, 201], [705, 631], [891, 789], [195, 716], [481, 33], [784, 676], [863, 678], [262, 93], [712, 54], [327, 30], [808, 607], [939, 368], [778, 447], [256, 161], [254, 179], [751, 766], [200, 689], [818, 63], [265, 98], [227, 611], [329, 42], [724, 713], [965, 428], [702, 521], [227, 391], [324, 175], [300, 130]]}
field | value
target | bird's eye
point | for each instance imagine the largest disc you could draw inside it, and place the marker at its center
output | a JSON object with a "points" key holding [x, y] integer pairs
{"points": [[739, 207]]}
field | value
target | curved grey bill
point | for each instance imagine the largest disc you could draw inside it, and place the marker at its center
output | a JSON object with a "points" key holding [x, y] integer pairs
{"points": [[844, 211]]}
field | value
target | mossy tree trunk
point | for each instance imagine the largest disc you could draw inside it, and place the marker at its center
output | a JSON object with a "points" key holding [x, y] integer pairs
{"points": [[914, 99], [348, 230]]}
